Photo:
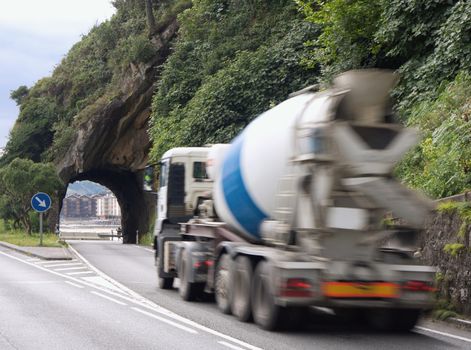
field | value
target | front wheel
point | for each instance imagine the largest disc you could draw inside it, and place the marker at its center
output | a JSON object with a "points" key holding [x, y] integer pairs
{"points": [[165, 282]]}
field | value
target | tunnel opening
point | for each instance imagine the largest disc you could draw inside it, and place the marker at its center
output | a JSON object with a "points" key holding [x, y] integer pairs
{"points": [[89, 211], [135, 205]]}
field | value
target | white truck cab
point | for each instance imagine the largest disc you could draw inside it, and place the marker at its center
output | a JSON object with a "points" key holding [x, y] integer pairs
{"points": [[183, 184]]}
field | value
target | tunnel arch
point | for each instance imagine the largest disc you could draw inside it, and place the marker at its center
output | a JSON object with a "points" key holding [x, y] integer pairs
{"points": [[127, 187]]}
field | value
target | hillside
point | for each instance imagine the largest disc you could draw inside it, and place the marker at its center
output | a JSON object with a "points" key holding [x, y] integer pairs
{"points": [[87, 188], [233, 59]]}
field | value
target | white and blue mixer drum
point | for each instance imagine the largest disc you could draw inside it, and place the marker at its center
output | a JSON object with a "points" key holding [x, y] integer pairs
{"points": [[247, 172]]}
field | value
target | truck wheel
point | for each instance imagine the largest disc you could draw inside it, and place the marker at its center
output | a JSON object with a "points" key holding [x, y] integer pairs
{"points": [[242, 282], [396, 320], [165, 282], [266, 313], [222, 287], [188, 291]]}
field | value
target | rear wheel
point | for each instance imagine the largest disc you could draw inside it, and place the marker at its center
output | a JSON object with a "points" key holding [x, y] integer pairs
{"points": [[189, 291], [399, 320], [222, 287], [242, 283], [266, 313]]}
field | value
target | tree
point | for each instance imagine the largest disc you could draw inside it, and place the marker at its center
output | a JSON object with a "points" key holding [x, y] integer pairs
{"points": [[19, 94], [150, 18], [19, 181]]}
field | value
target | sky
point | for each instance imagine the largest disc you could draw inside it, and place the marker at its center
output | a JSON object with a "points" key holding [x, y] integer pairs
{"points": [[34, 36]]}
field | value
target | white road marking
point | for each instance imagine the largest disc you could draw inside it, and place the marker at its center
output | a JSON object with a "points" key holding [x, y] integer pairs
{"points": [[74, 284], [80, 273], [108, 298], [135, 298], [63, 264], [71, 268], [55, 261], [231, 346], [189, 330], [444, 334], [148, 304], [144, 248], [98, 280]]}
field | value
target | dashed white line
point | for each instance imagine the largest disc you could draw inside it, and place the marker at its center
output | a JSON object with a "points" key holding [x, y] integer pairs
{"points": [[63, 264], [189, 330], [146, 303], [74, 284], [32, 259], [231, 346], [134, 298], [71, 268], [56, 261], [108, 298], [79, 273], [444, 334]]}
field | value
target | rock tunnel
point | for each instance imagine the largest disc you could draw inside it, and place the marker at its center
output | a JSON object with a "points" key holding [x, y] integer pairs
{"points": [[136, 205], [111, 146]]}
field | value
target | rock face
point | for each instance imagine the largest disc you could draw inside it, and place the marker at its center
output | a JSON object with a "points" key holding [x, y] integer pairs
{"points": [[111, 146], [454, 269]]}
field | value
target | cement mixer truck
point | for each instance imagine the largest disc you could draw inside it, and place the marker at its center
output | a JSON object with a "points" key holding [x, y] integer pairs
{"points": [[291, 214]]}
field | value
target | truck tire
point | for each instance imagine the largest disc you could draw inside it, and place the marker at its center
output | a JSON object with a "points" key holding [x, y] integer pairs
{"points": [[189, 291], [266, 313], [242, 285], [222, 284], [165, 282], [395, 320]]}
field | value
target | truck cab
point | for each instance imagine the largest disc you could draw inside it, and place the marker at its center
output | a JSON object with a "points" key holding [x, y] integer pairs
{"points": [[183, 185]]}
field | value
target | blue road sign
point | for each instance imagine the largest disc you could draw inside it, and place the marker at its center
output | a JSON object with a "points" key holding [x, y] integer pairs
{"points": [[41, 202]]}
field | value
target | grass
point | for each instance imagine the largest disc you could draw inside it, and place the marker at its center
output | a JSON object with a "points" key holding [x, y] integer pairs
{"points": [[22, 239], [147, 239]]}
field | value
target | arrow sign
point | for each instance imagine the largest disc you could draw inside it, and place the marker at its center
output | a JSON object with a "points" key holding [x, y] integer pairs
{"points": [[41, 202]]}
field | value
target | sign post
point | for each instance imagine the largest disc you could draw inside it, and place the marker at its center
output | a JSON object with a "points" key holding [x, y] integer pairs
{"points": [[41, 202]]}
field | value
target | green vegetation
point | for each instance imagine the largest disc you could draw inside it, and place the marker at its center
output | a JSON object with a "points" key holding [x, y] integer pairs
{"points": [[23, 239], [233, 59], [87, 79], [147, 239], [443, 310], [453, 248], [428, 42], [441, 164], [19, 181]]}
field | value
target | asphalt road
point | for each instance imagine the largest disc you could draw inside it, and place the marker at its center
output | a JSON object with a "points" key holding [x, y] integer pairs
{"points": [[132, 266], [66, 305]]}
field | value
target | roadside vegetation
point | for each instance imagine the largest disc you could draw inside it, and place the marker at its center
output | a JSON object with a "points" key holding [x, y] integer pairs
{"points": [[23, 239], [233, 59]]}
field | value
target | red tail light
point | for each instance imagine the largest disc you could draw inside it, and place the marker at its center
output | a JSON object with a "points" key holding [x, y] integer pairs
{"points": [[418, 286], [296, 287]]}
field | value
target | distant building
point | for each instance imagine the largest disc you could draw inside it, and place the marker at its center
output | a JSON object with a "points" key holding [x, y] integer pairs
{"points": [[78, 206], [107, 206]]}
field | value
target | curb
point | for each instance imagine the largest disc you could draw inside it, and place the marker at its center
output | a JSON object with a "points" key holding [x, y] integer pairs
{"points": [[460, 322], [36, 255]]}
